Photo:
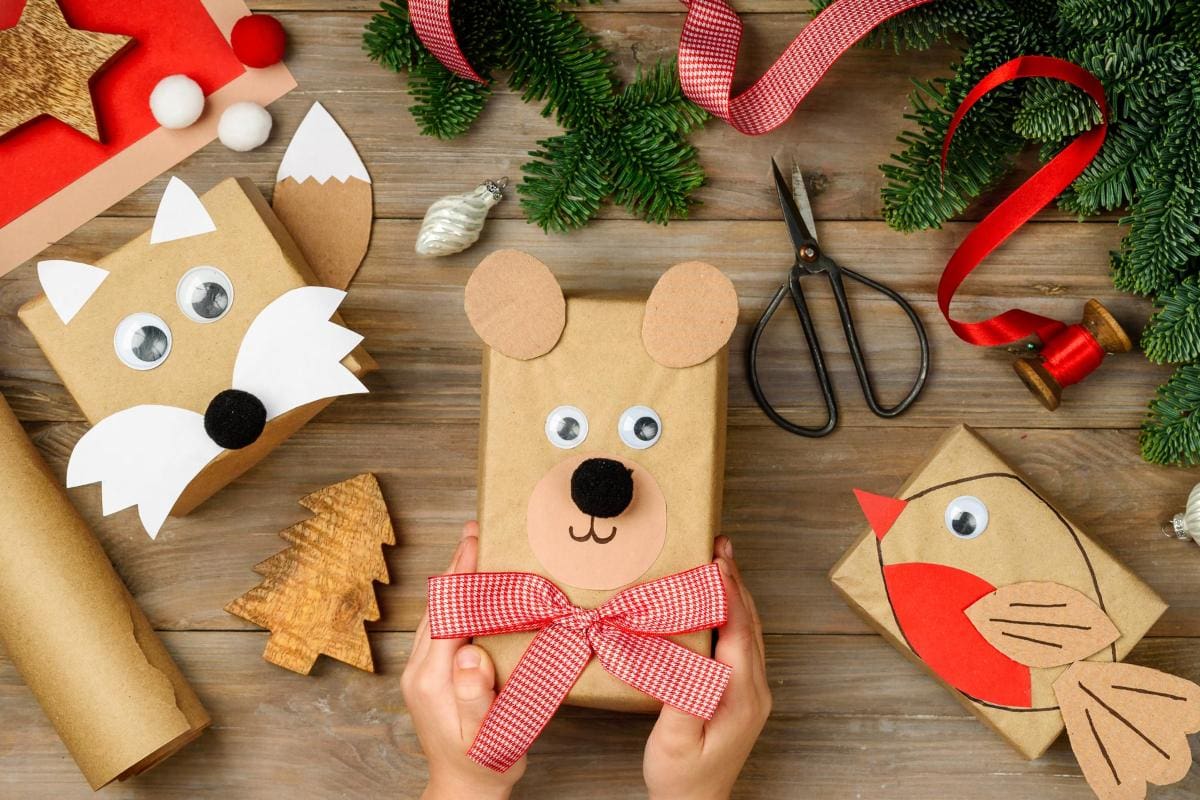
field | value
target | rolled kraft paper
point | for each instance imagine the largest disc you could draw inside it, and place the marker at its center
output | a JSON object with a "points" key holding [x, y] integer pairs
{"points": [[74, 632]]}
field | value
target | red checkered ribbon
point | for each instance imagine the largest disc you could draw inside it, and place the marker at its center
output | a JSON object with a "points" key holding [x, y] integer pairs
{"points": [[708, 51], [626, 634]]}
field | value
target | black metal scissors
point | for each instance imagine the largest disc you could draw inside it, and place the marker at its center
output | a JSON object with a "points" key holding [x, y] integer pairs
{"points": [[811, 260]]}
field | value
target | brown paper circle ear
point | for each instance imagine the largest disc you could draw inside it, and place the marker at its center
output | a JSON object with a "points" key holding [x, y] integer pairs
{"points": [[515, 305], [690, 315]]}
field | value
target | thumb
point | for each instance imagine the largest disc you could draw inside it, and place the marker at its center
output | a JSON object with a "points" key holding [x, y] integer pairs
{"points": [[474, 680], [678, 730]]}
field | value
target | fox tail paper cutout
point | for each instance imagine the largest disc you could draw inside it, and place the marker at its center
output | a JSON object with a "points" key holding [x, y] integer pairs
{"points": [[318, 593], [323, 195], [1128, 725]]}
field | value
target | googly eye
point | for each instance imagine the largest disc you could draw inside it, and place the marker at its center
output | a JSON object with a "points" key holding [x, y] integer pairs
{"points": [[142, 341], [566, 427], [204, 294], [966, 517], [640, 427]]}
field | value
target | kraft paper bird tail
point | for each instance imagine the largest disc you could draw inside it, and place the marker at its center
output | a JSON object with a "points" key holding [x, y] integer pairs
{"points": [[323, 196], [1128, 725]]}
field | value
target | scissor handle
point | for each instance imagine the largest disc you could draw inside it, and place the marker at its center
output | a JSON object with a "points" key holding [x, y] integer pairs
{"points": [[814, 349], [860, 366]]}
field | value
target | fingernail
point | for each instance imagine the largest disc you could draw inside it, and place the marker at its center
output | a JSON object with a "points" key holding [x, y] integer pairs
{"points": [[723, 565], [467, 658], [727, 547]]}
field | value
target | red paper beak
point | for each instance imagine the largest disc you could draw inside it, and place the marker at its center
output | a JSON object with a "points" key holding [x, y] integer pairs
{"points": [[881, 512]]}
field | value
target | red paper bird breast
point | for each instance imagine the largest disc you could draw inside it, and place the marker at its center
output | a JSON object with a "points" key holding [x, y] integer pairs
{"points": [[929, 601]]}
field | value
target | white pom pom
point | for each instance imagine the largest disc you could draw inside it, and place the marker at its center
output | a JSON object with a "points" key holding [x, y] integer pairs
{"points": [[244, 126], [176, 102]]}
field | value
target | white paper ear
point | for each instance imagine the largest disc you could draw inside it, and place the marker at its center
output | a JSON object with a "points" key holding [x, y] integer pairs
{"points": [[69, 285], [180, 215], [320, 149]]}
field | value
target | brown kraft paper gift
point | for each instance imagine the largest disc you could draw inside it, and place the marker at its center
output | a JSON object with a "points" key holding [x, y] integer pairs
{"points": [[1025, 539], [593, 355], [76, 635], [252, 246]]}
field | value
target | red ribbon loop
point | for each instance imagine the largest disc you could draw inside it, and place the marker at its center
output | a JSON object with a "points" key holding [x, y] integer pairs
{"points": [[1029, 198], [708, 51], [625, 634]]}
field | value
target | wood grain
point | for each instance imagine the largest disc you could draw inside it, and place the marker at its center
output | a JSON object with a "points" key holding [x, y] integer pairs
{"points": [[852, 718], [319, 593], [48, 67]]}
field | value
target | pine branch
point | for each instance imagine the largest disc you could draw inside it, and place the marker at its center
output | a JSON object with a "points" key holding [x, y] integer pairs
{"points": [[630, 145], [1173, 333], [1171, 431], [565, 182], [925, 26], [1096, 17], [390, 39], [552, 58], [445, 105], [918, 194]]}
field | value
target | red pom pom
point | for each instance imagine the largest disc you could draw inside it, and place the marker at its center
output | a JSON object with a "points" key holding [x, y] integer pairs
{"points": [[258, 40]]}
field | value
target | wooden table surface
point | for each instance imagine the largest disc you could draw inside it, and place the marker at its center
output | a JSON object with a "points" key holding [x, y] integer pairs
{"points": [[852, 718]]}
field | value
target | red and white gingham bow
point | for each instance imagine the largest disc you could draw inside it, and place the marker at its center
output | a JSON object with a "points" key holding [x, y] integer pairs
{"points": [[625, 633], [708, 50]]}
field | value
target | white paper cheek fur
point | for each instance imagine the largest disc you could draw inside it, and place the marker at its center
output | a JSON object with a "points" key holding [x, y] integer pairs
{"points": [[148, 454]]}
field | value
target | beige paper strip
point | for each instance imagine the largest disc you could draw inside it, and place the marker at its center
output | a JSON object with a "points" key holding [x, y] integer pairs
{"points": [[136, 165], [76, 635]]}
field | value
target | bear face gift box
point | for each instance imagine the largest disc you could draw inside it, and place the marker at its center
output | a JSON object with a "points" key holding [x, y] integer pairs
{"points": [[602, 439], [193, 350]]}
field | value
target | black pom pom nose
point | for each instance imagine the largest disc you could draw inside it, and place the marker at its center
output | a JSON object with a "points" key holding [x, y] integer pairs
{"points": [[235, 419], [601, 487]]}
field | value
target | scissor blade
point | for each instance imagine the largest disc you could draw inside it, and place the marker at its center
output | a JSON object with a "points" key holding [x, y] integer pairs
{"points": [[797, 228], [800, 193]]}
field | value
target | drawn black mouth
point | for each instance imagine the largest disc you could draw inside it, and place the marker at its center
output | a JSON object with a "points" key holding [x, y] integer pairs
{"points": [[591, 534]]}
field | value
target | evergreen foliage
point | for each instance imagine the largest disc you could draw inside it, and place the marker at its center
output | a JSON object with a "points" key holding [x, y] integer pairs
{"points": [[629, 144], [1147, 55]]}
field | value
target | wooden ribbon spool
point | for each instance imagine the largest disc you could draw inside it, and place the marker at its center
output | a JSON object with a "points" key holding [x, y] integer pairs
{"points": [[1072, 354]]}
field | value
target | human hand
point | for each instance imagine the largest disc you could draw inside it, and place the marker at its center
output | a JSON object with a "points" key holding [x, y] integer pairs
{"points": [[688, 758], [448, 687]]}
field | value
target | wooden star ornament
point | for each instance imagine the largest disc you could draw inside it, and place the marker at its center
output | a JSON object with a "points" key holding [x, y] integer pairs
{"points": [[46, 67]]}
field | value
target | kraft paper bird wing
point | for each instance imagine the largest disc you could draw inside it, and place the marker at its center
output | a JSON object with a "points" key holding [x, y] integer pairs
{"points": [[1042, 624], [1128, 725]]}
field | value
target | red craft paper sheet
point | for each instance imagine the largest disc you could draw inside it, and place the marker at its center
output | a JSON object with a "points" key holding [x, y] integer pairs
{"points": [[56, 178], [170, 36]]}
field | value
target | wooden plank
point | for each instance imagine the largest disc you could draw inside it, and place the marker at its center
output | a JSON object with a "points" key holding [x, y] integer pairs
{"points": [[905, 739], [788, 509], [410, 171], [410, 310]]}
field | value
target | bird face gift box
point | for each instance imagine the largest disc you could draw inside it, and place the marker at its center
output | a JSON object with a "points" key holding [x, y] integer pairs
{"points": [[975, 576], [602, 442], [193, 350]]}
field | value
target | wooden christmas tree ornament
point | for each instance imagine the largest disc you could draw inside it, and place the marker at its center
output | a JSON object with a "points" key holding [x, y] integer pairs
{"points": [[46, 67], [1073, 354], [319, 592]]}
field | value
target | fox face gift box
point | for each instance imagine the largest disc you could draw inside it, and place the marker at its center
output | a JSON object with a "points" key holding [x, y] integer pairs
{"points": [[193, 350], [976, 577], [601, 463]]}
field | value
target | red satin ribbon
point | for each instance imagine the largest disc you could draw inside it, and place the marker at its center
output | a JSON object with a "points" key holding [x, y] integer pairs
{"points": [[708, 51], [1069, 352], [626, 634]]}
